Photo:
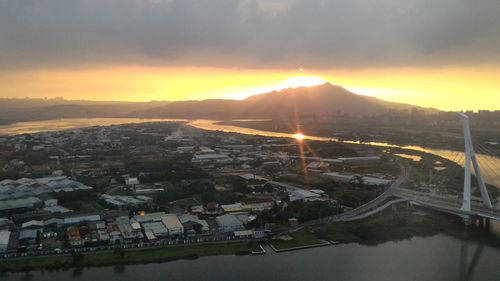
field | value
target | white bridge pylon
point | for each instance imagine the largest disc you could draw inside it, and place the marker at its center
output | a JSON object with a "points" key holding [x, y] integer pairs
{"points": [[470, 157]]}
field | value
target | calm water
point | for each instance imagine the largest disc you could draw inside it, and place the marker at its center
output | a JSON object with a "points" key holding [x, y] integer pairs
{"points": [[68, 124], [433, 258]]}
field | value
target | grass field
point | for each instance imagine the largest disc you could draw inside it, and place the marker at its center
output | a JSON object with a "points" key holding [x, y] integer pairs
{"points": [[300, 239], [129, 257]]}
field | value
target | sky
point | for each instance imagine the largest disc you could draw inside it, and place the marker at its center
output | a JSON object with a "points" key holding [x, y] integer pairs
{"points": [[443, 54]]}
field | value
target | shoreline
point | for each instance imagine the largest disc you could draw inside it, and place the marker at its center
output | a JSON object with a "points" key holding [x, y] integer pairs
{"points": [[136, 256], [389, 226]]}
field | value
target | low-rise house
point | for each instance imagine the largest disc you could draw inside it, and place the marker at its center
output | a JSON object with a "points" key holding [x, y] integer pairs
{"points": [[74, 238], [257, 204], [113, 232], [192, 225], [229, 223], [304, 195], [173, 225], [4, 241], [126, 230], [197, 210], [28, 237], [157, 228], [242, 234], [212, 209], [231, 208]]}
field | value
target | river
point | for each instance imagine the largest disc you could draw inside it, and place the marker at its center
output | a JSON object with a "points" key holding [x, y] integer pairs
{"points": [[488, 163], [437, 258], [32, 127]]}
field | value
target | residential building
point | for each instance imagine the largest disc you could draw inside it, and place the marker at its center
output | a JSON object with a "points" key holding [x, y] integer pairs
{"points": [[173, 225]]}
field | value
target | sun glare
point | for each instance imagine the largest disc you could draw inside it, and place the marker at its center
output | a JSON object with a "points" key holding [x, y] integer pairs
{"points": [[298, 136]]}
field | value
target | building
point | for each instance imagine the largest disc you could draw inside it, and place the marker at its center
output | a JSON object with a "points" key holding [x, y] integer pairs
{"points": [[360, 160], [149, 217], [19, 205], [158, 229], [28, 237], [243, 234], [258, 204], [304, 195], [74, 237], [229, 223], [358, 179], [120, 201], [203, 158], [127, 231], [78, 218], [189, 223], [4, 241], [173, 225], [113, 232], [231, 208], [132, 182]]}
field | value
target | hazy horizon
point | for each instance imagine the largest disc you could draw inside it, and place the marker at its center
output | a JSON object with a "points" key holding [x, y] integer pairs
{"points": [[443, 55]]}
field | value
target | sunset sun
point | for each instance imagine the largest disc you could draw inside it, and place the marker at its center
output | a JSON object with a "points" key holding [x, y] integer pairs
{"points": [[299, 136]]}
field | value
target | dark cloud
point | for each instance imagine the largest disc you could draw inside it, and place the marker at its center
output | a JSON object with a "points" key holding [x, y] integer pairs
{"points": [[249, 33]]}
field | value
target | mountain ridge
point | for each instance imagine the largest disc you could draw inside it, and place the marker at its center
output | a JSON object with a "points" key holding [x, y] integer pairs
{"points": [[325, 99], [320, 100]]}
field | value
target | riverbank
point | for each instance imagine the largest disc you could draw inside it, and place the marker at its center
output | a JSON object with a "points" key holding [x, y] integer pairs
{"points": [[403, 224], [390, 225], [122, 257], [295, 241]]}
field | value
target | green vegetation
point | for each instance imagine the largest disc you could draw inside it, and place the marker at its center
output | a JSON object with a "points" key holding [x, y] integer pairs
{"points": [[186, 203], [389, 226], [81, 200], [304, 211], [119, 257], [299, 239], [254, 246]]}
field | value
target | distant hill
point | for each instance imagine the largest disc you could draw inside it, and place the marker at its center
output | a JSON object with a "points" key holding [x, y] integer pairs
{"points": [[15, 110], [322, 100]]}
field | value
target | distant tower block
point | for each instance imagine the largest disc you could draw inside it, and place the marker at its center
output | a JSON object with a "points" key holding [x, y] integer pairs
{"points": [[470, 157]]}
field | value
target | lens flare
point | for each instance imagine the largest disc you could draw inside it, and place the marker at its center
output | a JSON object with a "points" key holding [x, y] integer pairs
{"points": [[298, 136]]}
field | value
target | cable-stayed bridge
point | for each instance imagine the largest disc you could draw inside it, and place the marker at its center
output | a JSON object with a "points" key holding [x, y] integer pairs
{"points": [[462, 204]]}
